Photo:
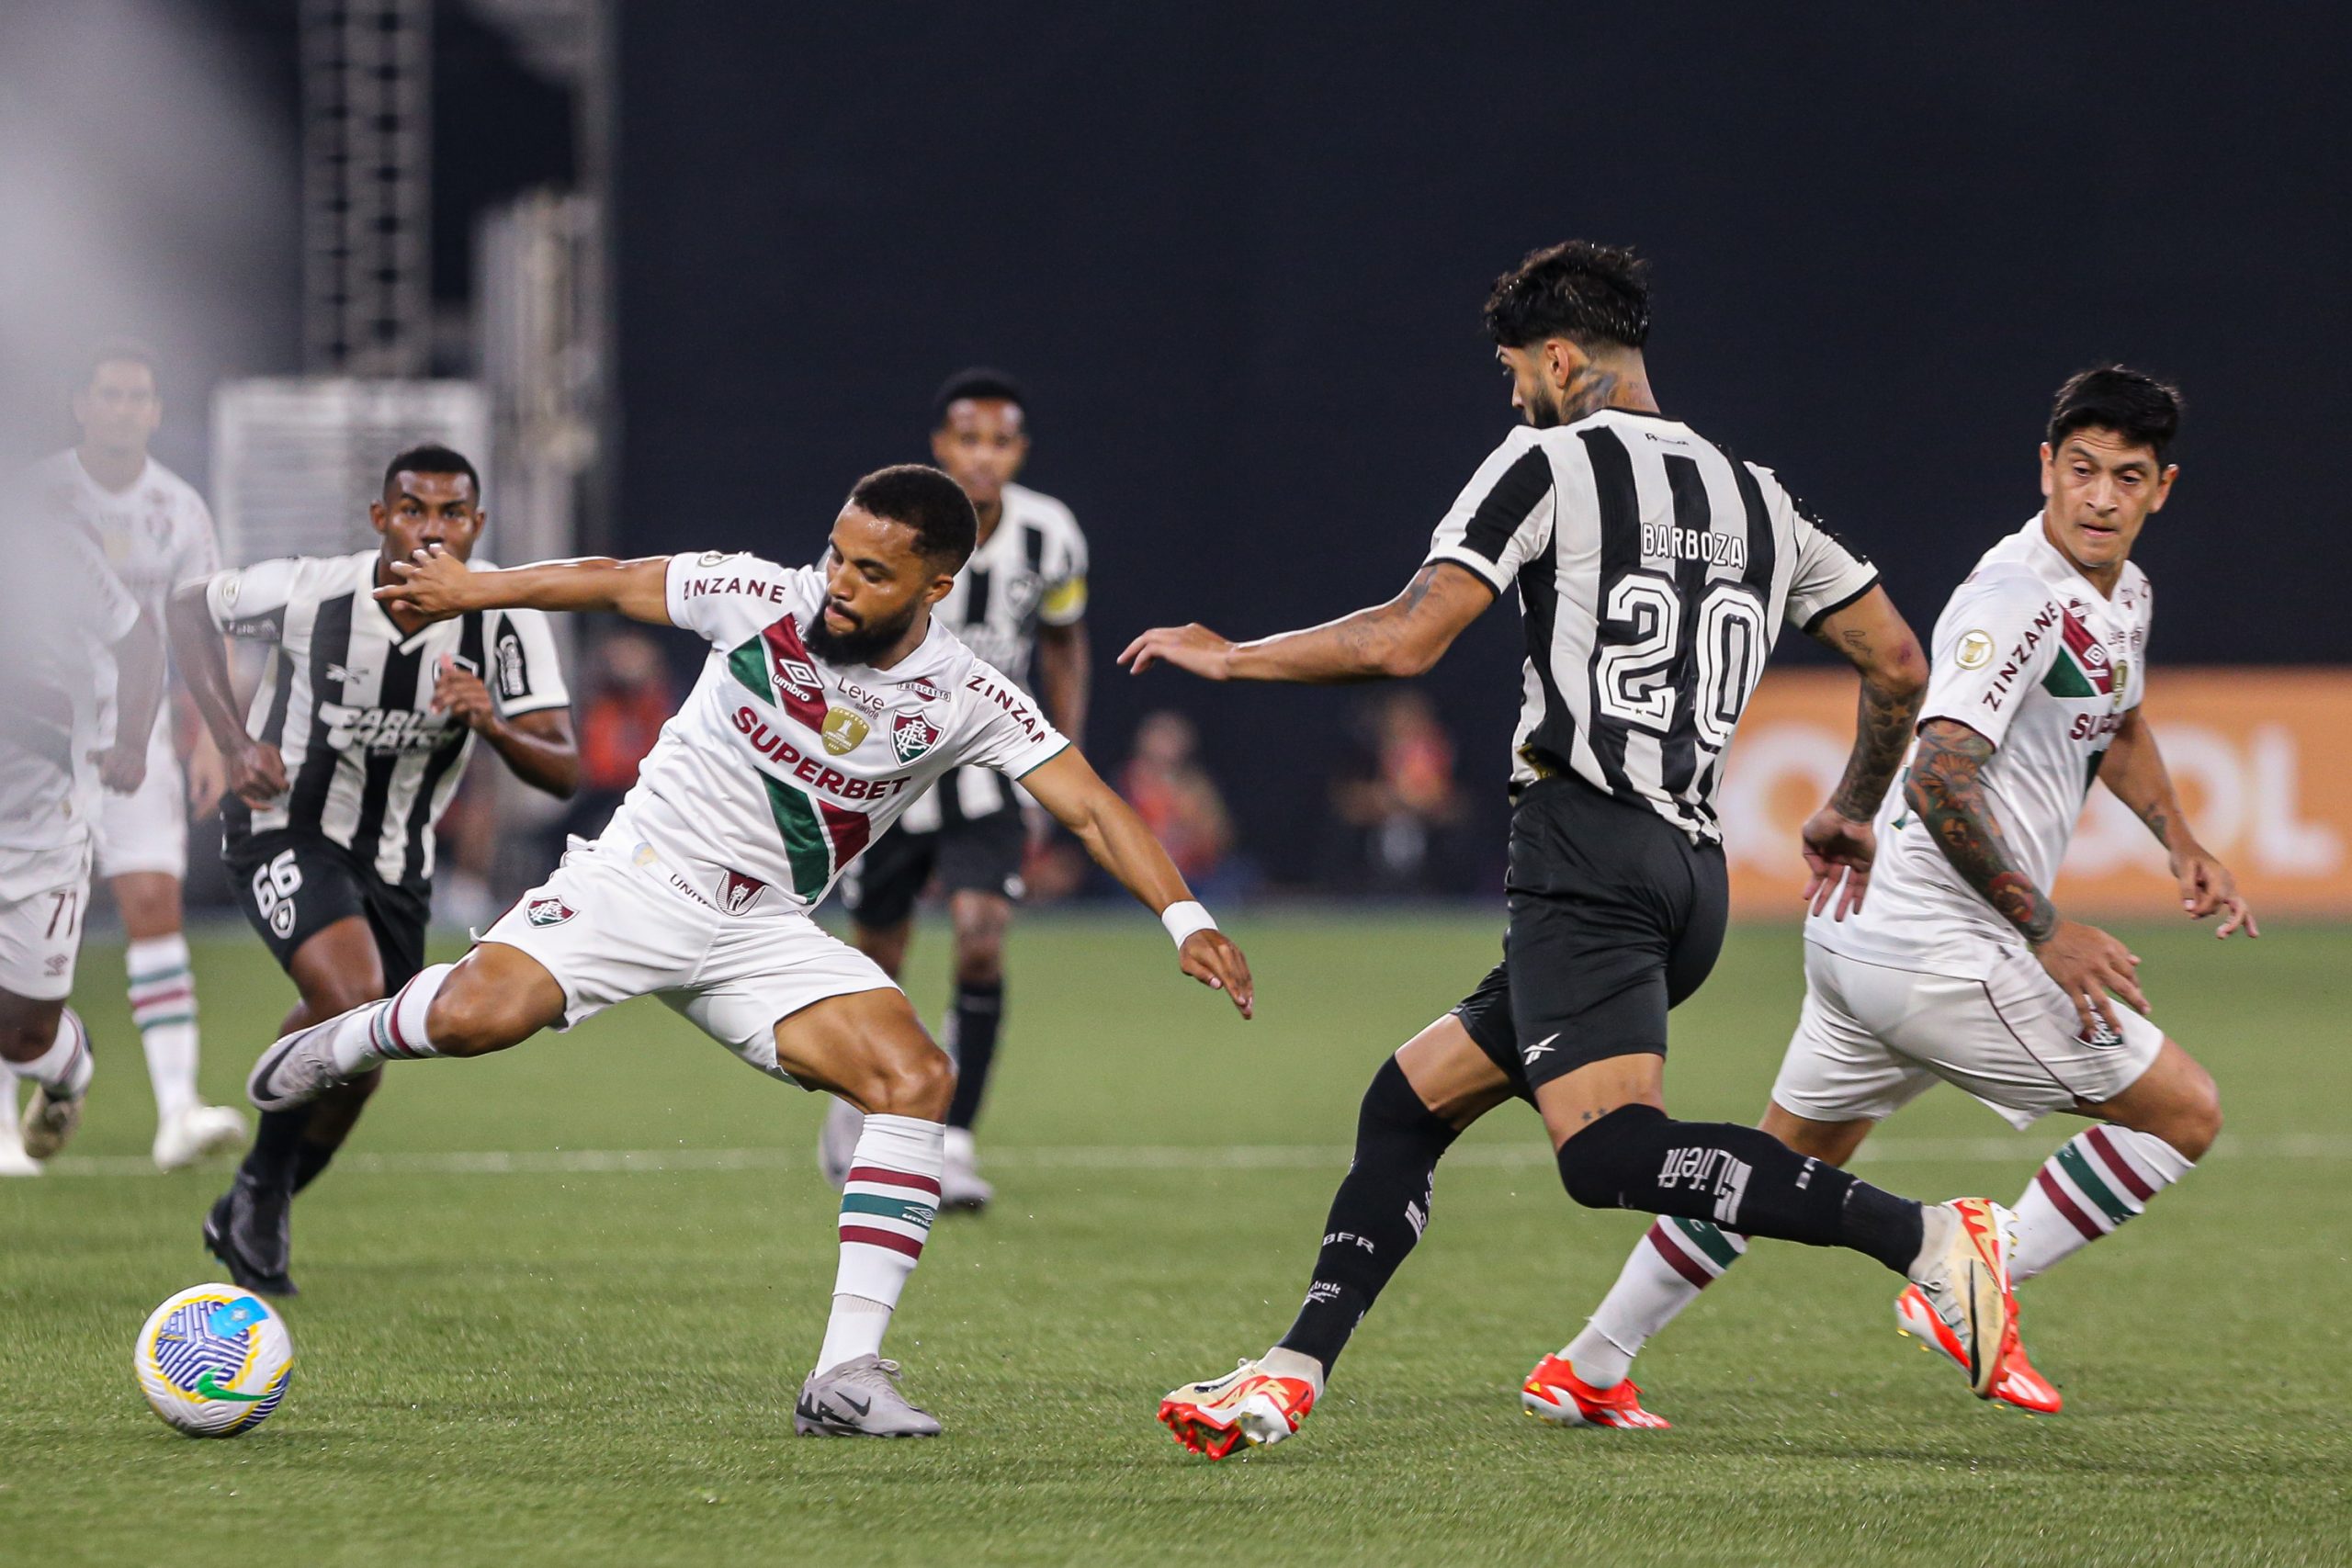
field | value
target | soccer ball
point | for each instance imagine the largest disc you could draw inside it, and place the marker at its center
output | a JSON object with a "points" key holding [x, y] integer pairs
{"points": [[214, 1361]]}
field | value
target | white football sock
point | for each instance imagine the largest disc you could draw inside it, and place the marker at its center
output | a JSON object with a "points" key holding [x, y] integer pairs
{"points": [[388, 1031], [886, 1209], [2098, 1179], [65, 1068], [162, 1003], [1668, 1267]]}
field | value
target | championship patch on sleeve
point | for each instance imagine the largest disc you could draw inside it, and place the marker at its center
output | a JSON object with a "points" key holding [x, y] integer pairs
{"points": [[1066, 599], [1975, 650], [513, 665]]}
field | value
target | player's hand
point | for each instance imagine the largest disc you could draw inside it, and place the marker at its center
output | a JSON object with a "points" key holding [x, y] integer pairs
{"points": [[1192, 647], [256, 773], [1210, 957], [461, 696], [432, 584], [207, 777], [2207, 887], [122, 767], [1837, 855], [2087, 963]]}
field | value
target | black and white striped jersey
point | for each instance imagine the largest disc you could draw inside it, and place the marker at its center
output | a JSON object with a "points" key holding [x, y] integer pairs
{"points": [[1030, 573], [346, 703], [1655, 571]]}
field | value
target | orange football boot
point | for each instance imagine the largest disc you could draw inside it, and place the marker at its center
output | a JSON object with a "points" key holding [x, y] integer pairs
{"points": [[2017, 1383], [1554, 1392], [1249, 1405]]}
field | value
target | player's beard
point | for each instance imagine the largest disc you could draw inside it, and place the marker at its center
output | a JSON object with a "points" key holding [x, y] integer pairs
{"points": [[1542, 409], [860, 645]]}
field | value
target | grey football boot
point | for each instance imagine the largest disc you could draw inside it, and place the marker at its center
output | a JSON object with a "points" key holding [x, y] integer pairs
{"points": [[299, 1069], [860, 1398]]}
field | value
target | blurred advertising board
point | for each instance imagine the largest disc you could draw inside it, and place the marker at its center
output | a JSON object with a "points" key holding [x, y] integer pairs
{"points": [[2259, 757]]}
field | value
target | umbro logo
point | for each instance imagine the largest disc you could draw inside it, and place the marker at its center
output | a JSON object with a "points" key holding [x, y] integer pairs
{"points": [[1528, 1057]]}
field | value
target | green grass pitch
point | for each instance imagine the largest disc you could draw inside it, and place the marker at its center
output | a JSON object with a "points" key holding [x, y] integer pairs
{"points": [[543, 1354]]}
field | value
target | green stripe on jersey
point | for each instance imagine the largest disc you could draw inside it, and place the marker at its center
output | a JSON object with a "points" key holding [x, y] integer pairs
{"points": [[2071, 1160], [805, 844], [2066, 678], [1709, 1240], [748, 664]]}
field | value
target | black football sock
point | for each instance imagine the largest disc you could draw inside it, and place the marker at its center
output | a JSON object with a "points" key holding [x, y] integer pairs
{"points": [[309, 1159], [979, 1010], [1378, 1214], [1740, 1177], [277, 1152]]}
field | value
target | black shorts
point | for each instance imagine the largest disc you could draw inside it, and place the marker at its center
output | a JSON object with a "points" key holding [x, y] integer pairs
{"points": [[1615, 917], [293, 886], [968, 854]]}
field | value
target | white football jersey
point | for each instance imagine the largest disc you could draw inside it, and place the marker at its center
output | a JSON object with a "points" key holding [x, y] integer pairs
{"points": [[62, 613], [780, 769], [2038, 661], [156, 535]]}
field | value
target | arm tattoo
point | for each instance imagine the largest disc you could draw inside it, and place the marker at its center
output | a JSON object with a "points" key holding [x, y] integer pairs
{"points": [[1947, 791], [2158, 823], [1882, 731]]}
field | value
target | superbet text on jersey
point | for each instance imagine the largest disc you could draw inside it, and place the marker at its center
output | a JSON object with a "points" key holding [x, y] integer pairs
{"points": [[780, 768]]}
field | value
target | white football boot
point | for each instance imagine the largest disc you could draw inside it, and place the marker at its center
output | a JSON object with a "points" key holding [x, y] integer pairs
{"points": [[194, 1132], [960, 1186], [860, 1398], [1967, 1285], [837, 1141], [14, 1161]]}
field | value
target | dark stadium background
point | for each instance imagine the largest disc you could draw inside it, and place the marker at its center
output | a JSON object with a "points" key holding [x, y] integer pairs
{"points": [[1237, 252]]}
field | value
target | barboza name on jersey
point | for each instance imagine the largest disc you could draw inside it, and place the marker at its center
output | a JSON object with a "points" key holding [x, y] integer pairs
{"points": [[1729, 550], [771, 744]]}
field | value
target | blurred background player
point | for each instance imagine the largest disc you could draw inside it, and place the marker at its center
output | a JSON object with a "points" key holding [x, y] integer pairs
{"points": [[1959, 967], [349, 753], [1019, 603], [156, 534], [81, 680]]}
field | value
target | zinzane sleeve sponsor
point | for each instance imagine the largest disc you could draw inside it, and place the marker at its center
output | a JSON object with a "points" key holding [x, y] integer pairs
{"points": [[251, 600], [1011, 735], [1995, 642], [524, 675], [1503, 515], [730, 597]]}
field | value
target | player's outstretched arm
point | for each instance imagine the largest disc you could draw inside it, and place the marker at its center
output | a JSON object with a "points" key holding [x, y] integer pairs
{"points": [[1947, 789], [1391, 641], [2134, 773], [1839, 842], [439, 586], [1069, 787], [138, 696], [256, 773]]}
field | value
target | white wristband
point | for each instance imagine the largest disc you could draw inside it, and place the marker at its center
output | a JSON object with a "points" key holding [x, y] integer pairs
{"points": [[1182, 919]]}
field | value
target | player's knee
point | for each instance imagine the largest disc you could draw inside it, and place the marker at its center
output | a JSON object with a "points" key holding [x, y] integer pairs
{"points": [[24, 1038], [913, 1083], [1602, 1159], [468, 1021], [2197, 1122], [980, 962]]}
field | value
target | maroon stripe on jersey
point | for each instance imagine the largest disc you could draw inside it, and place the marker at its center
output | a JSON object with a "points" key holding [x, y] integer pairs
{"points": [[2090, 653], [848, 829], [798, 682], [2065, 1205], [2112, 1157], [891, 1239], [1677, 1260], [881, 1177]]}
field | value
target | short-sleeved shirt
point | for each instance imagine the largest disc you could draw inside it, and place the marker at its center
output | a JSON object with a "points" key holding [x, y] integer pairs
{"points": [[348, 698], [156, 534], [2035, 659], [1655, 571], [781, 767], [62, 613]]}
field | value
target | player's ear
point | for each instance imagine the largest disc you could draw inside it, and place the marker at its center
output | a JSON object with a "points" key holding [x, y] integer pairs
{"points": [[2049, 474], [2163, 486], [1563, 362], [941, 586], [377, 517]]}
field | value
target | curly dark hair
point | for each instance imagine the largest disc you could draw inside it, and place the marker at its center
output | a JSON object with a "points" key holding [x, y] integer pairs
{"points": [[927, 501], [1587, 293], [2136, 406], [431, 458]]}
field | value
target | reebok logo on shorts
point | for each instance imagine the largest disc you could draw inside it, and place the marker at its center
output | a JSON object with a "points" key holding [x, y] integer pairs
{"points": [[1529, 1055], [548, 911]]}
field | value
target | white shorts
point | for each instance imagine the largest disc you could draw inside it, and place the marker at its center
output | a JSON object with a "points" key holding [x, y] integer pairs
{"points": [[613, 923], [43, 899], [147, 830], [1873, 1037]]}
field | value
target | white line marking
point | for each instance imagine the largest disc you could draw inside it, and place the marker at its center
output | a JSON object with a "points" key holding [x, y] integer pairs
{"points": [[1133, 1157]]}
